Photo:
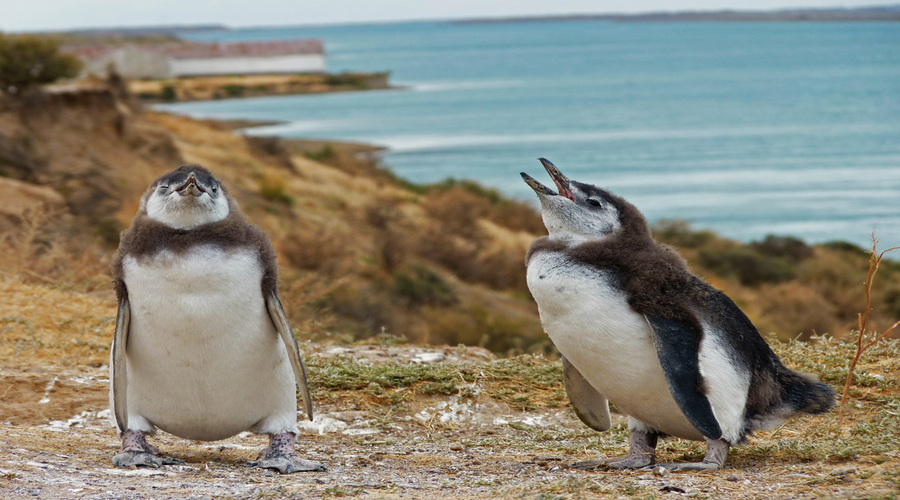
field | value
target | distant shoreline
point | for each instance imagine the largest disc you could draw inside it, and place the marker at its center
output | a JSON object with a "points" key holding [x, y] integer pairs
{"points": [[884, 13], [875, 13]]}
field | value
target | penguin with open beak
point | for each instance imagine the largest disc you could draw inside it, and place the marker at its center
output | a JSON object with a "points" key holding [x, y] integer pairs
{"points": [[636, 327]]}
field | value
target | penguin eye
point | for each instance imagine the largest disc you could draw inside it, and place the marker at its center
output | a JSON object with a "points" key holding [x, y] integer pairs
{"points": [[594, 202], [214, 188], [163, 187]]}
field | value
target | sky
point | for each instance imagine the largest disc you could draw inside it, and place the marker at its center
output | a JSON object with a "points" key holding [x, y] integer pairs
{"points": [[51, 15]]}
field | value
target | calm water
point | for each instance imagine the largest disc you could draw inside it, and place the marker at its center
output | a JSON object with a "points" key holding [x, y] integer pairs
{"points": [[748, 129]]}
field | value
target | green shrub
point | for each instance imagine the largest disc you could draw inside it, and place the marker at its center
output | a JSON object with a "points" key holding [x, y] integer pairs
{"points": [[792, 249], [28, 60], [748, 266], [325, 153], [234, 90], [168, 93], [679, 233], [417, 285]]}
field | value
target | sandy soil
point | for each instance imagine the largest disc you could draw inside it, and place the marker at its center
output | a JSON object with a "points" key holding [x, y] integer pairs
{"points": [[56, 442]]}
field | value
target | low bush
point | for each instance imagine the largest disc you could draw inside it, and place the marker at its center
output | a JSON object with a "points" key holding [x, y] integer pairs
{"points": [[27, 61], [748, 266], [417, 285]]}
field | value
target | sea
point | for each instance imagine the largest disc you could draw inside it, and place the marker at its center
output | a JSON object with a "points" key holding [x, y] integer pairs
{"points": [[747, 129]]}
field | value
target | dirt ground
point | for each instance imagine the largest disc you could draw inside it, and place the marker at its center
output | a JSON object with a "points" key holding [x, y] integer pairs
{"points": [[57, 439]]}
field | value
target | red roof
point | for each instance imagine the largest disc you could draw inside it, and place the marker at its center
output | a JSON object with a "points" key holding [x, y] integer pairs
{"points": [[195, 50]]}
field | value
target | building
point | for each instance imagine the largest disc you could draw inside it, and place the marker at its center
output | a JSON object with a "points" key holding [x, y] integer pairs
{"points": [[171, 60]]}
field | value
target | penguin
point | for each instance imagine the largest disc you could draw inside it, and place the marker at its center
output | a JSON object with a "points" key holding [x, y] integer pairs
{"points": [[202, 347], [634, 326]]}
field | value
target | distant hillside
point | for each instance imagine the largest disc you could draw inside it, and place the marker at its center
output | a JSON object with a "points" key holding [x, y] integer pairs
{"points": [[873, 13], [362, 253]]}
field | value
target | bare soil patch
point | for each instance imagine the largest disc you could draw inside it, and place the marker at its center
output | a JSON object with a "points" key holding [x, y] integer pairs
{"points": [[384, 441]]}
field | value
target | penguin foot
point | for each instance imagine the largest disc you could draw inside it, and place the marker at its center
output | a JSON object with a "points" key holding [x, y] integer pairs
{"points": [[143, 459], [589, 465], [716, 453], [136, 451], [692, 466], [641, 450], [281, 456], [632, 461], [288, 464]]}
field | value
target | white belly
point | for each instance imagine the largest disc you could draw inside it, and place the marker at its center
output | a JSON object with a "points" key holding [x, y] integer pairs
{"points": [[204, 359], [592, 325]]}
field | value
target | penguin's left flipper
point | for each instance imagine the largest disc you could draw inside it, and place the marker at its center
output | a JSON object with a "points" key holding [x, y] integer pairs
{"points": [[678, 348], [118, 376], [283, 326], [590, 406]]}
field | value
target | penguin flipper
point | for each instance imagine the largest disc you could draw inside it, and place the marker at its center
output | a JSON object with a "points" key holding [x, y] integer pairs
{"points": [[118, 373], [678, 347], [591, 407], [279, 319]]}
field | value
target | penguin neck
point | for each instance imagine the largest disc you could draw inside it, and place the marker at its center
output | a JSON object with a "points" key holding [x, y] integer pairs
{"points": [[570, 239]]}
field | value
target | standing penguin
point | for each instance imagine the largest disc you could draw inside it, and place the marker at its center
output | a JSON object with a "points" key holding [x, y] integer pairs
{"points": [[635, 327], [202, 349]]}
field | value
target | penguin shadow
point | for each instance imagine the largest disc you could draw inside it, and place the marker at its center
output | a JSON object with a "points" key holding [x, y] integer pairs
{"points": [[224, 454]]}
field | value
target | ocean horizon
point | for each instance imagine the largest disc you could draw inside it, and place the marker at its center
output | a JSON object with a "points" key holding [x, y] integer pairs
{"points": [[747, 129]]}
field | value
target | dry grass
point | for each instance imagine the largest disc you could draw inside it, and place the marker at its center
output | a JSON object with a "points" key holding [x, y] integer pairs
{"points": [[48, 325], [51, 351]]}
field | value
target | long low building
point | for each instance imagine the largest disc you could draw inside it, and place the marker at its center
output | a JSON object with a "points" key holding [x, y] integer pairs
{"points": [[170, 60]]}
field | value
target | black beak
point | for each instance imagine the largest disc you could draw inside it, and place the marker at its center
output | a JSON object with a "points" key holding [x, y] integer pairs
{"points": [[537, 186], [191, 186], [561, 181]]}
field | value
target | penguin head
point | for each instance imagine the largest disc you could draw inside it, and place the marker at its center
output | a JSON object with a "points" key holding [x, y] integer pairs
{"points": [[579, 210], [185, 198]]}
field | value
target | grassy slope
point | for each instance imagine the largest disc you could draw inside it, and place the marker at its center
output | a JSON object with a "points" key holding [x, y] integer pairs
{"points": [[362, 252]]}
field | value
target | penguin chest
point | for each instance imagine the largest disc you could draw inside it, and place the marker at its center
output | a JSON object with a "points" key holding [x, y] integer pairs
{"points": [[204, 359], [589, 320]]}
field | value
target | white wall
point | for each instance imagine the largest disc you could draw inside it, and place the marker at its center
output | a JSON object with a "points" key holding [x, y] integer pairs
{"points": [[130, 62], [303, 63]]}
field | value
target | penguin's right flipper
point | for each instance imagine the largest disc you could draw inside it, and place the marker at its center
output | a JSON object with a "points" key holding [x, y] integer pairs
{"points": [[279, 319], [678, 348], [590, 406], [118, 374]]}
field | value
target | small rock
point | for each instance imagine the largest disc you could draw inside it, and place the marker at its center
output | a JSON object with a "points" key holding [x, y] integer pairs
{"points": [[660, 471], [844, 471]]}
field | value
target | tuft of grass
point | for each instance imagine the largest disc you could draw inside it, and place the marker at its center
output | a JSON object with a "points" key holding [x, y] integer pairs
{"points": [[536, 380], [323, 154], [274, 188]]}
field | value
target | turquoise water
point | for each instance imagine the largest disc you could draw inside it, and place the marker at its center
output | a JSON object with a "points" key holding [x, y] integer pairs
{"points": [[745, 128]]}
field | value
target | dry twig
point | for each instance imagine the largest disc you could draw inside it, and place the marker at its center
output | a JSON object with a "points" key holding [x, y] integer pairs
{"points": [[875, 259]]}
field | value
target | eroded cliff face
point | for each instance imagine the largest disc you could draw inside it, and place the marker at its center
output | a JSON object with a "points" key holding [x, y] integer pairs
{"points": [[361, 252], [91, 146]]}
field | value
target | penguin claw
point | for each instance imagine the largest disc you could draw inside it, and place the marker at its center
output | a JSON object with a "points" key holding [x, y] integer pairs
{"points": [[143, 459], [589, 465], [695, 466], [635, 461], [286, 464]]}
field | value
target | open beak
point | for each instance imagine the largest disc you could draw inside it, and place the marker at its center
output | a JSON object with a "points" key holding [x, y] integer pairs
{"points": [[191, 186], [537, 186], [561, 181]]}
